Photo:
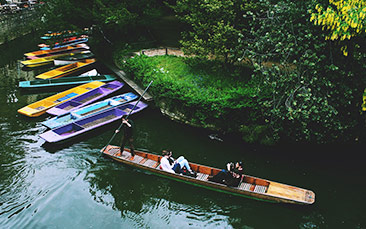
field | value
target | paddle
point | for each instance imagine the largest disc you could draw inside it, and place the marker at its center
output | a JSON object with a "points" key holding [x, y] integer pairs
{"points": [[127, 116]]}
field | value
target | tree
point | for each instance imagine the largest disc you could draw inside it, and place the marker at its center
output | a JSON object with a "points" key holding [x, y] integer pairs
{"points": [[214, 27], [344, 19], [306, 94], [116, 17]]}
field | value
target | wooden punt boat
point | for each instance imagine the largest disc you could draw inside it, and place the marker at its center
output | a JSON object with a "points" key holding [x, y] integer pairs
{"points": [[40, 107], [63, 34], [67, 69], [74, 57], [251, 187], [51, 43], [64, 44], [54, 51], [92, 122], [91, 109], [64, 81], [86, 98], [48, 60]]}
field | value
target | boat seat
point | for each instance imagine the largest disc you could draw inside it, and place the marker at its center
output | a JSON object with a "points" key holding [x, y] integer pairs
{"points": [[68, 96], [245, 186], [260, 189], [136, 159], [202, 176], [151, 163], [114, 151], [39, 108]]}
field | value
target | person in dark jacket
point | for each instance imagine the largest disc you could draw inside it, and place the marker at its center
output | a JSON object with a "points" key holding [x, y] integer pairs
{"points": [[127, 129], [231, 176]]}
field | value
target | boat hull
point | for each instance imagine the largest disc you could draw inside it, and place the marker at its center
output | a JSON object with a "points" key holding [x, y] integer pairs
{"points": [[64, 81], [67, 69], [72, 59], [85, 99], [150, 162], [40, 107], [85, 125], [48, 60], [91, 109], [55, 51], [72, 42]]}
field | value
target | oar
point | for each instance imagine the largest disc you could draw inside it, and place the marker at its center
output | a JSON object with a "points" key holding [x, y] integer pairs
{"points": [[142, 95]]}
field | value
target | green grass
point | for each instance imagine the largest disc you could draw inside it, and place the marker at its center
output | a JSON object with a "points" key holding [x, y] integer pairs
{"points": [[200, 75]]}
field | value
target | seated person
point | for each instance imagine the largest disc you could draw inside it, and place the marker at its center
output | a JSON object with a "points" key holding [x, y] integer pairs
{"points": [[167, 163], [231, 176]]}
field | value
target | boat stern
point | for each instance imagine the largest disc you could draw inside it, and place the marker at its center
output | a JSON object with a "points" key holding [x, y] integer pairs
{"points": [[30, 112]]}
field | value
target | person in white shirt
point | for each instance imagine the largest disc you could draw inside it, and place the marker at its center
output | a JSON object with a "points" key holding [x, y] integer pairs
{"points": [[167, 163]]}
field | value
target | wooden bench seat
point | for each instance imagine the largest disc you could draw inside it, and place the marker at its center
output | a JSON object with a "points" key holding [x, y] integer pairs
{"points": [[245, 186], [202, 176], [151, 163], [260, 189]]}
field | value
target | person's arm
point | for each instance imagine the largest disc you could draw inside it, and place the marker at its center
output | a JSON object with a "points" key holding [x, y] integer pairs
{"points": [[127, 123], [228, 166], [165, 165]]}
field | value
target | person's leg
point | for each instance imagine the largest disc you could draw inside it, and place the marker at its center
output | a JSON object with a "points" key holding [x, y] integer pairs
{"points": [[132, 148], [183, 162], [123, 143], [220, 177]]}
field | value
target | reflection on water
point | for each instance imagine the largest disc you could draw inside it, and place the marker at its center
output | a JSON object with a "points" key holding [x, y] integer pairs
{"points": [[74, 186]]}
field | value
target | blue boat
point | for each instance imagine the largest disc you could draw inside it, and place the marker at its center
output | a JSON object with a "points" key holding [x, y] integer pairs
{"points": [[89, 110], [92, 122], [64, 81]]}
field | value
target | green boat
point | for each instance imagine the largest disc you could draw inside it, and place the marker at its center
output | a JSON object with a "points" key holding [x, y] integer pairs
{"points": [[64, 81]]}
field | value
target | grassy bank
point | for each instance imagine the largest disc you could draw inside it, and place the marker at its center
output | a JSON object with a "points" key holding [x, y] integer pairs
{"points": [[202, 93]]}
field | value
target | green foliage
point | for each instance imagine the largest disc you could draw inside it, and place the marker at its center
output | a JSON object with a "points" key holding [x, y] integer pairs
{"points": [[344, 19], [215, 26], [115, 17], [207, 94], [311, 95]]}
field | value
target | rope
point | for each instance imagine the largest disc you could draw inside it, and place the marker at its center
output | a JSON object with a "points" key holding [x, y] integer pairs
{"points": [[127, 116]]}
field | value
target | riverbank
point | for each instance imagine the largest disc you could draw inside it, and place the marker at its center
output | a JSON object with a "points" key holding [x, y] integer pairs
{"points": [[16, 25], [200, 93]]}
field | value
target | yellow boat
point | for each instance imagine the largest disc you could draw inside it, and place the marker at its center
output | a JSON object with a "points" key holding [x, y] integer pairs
{"points": [[66, 70], [55, 51], [47, 60], [40, 107]]}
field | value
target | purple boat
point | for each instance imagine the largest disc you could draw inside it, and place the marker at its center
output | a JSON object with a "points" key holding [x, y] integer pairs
{"points": [[82, 126], [86, 98]]}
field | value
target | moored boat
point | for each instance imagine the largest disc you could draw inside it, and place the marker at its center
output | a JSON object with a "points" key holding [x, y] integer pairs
{"points": [[40, 107], [91, 109], [63, 44], [249, 186], [54, 51], [48, 60], [75, 57], [62, 34], [86, 98], [67, 69], [92, 122], [64, 81]]}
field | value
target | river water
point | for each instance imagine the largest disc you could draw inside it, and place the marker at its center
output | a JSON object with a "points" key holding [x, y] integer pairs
{"points": [[73, 186]]}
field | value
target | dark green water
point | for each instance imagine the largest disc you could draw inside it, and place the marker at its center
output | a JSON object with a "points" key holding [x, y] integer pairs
{"points": [[73, 186]]}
